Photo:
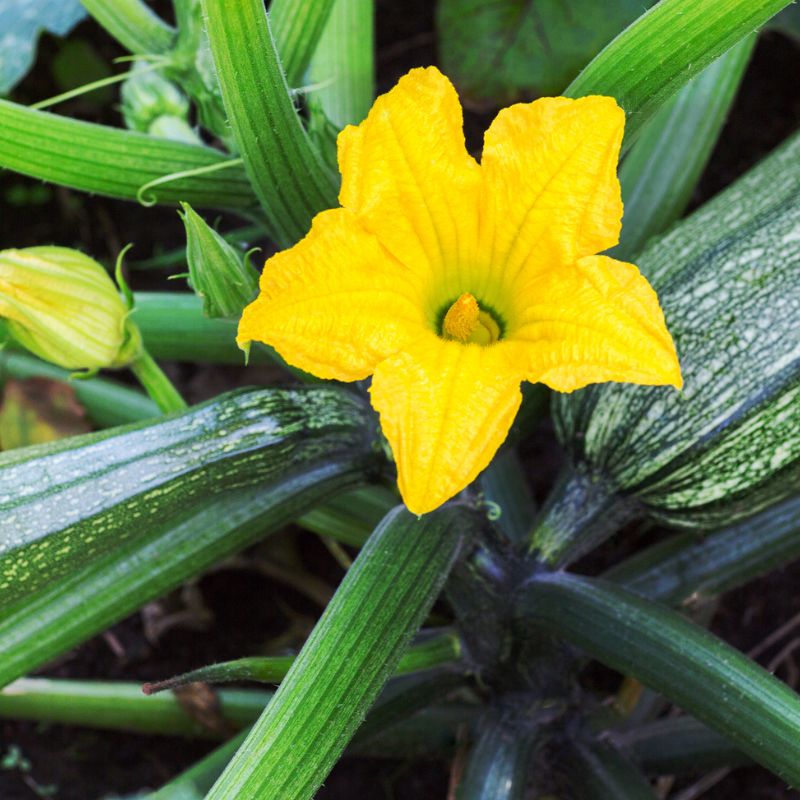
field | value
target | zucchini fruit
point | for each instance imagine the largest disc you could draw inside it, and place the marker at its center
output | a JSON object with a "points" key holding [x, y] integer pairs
{"points": [[68, 503], [728, 445]]}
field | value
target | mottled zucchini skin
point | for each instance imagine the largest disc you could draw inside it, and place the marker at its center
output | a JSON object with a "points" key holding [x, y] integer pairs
{"points": [[729, 443], [69, 502]]}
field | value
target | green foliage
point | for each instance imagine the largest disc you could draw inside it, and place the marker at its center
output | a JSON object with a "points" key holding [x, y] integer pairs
{"points": [[684, 131], [342, 70], [118, 163], [694, 669], [287, 173], [500, 50], [238, 108], [664, 49], [21, 22], [355, 645]]}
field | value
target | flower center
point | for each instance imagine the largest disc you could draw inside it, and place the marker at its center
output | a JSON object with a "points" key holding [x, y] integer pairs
{"points": [[466, 322]]}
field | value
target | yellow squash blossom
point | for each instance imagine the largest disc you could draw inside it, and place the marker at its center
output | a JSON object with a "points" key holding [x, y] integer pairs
{"points": [[451, 282]]}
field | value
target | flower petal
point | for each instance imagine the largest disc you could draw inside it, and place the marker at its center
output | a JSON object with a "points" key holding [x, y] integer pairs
{"points": [[445, 408], [551, 193], [407, 175], [598, 320], [336, 304]]}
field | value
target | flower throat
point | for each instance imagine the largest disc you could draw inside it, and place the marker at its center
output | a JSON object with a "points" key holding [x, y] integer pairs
{"points": [[466, 322]]}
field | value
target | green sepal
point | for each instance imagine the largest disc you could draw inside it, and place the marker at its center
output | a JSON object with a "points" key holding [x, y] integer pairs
{"points": [[218, 274]]}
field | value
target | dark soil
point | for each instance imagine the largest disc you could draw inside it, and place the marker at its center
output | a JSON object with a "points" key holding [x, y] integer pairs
{"points": [[237, 611]]}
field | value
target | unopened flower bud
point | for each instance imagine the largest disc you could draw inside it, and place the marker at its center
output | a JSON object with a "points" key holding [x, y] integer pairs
{"points": [[63, 306], [152, 104], [224, 280]]}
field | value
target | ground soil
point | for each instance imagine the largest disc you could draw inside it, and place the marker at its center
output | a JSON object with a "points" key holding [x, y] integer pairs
{"points": [[238, 611]]}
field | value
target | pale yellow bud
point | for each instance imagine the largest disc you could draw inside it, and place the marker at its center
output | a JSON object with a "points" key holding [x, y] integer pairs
{"points": [[63, 306]]}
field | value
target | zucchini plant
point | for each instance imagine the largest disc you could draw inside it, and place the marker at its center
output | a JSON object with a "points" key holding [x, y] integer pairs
{"points": [[470, 624]]}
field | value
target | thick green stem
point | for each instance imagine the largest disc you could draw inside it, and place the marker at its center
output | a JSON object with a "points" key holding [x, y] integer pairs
{"points": [[356, 643], [695, 670], [682, 565], [664, 49], [157, 384], [115, 705], [683, 132], [297, 26], [133, 25], [343, 67]]}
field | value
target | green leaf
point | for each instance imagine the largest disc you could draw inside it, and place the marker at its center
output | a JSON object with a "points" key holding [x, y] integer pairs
{"points": [[297, 26], [682, 132], [117, 163], [695, 670], [497, 51], [354, 646], [133, 25], [67, 503], [664, 49], [342, 73], [676, 568], [21, 22], [287, 174]]}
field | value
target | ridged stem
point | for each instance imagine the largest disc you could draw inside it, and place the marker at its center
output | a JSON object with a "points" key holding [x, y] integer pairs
{"points": [[343, 67], [157, 385], [344, 663], [695, 670], [297, 26], [133, 25], [683, 132]]}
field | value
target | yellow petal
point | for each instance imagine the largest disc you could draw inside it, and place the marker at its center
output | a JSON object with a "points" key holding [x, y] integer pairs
{"points": [[551, 193], [598, 320], [335, 304], [445, 408], [408, 177]]}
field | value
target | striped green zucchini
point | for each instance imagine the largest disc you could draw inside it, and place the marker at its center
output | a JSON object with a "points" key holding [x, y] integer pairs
{"points": [[729, 443], [65, 504]]}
